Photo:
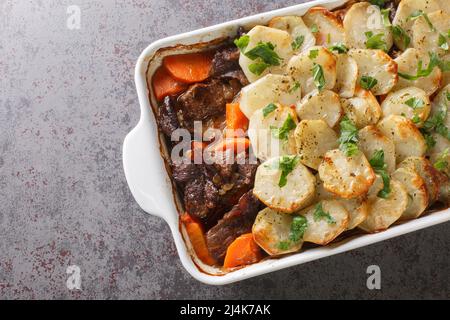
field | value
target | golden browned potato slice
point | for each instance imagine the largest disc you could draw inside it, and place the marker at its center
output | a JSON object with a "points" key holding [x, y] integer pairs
{"points": [[324, 105], [272, 88], [376, 64], [329, 28], [371, 139], [384, 212], [313, 139], [346, 75], [427, 39], [282, 42], [271, 231], [347, 177], [295, 26], [361, 18], [297, 192], [326, 220], [408, 63], [407, 138], [301, 68], [405, 9], [363, 109], [357, 208], [261, 130], [429, 174], [410, 102], [416, 189]]}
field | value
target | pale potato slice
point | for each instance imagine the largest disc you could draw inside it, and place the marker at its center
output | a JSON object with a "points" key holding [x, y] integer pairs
{"points": [[271, 231], [357, 208], [313, 139], [396, 103], [407, 138], [361, 18], [272, 88], [324, 229], [279, 38], [324, 105], [441, 100], [300, 67], [445, 75], [435, 156], [427, 39], [363, 109], [416, 189], [347, 177], [371, 140], [404, 11], [262, 128], [330, 29], [408, 63], [346, 75], [384, 212], [428, 173], [295, 26], [297, 193], [376, 64], [444, 5]]}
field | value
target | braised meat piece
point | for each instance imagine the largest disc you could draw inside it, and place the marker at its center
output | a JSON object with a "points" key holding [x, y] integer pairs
{"points": [[205, 100], [183, 173], [225, 60], [237, 221], [167, 116], [201, 197], [238, 75]]}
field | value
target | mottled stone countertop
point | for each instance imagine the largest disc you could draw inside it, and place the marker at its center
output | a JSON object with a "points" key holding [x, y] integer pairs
{"points": [[67, 100]]}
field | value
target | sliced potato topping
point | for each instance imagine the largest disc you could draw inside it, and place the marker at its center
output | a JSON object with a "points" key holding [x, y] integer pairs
{"points": [[371, 139], [302, 37], [346, 75], [320, 105], [363, 109], [326, 26], [435, 38]]}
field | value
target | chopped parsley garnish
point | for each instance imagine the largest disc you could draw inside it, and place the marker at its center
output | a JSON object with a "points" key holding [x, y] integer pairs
{"points": [[385, 17], [349, 137], [339, 48], [318, 76], [441, 162], [284, 245], [286, 164], [414, 103], [314, 28], [400, 35], [283, 132], [297, 43], [298, 227], [437, 123], [429, 140], [421, 72], [269, 109], [379, 3], [375, 41], [380, 167], [258, 67], [313, 53], [368, 82], [242, 42], [295, 87], [320, 214], [264, 53], [442, 42], [419, 13]]}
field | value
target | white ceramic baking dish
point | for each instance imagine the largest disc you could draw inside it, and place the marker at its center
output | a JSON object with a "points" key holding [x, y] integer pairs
{"points": [[149, 182]]}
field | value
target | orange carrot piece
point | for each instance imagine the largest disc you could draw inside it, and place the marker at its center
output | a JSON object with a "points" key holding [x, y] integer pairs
{"points": [[189, 68], [197, 237], [236, 144], [164, 84], [235, 120], [242, 251]]}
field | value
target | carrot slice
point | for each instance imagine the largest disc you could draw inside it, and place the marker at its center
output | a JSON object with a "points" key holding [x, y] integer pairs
{"points": [[242, 251], [197, 237], [235, 120], [164, 84], [189, 68], [236, 144]]}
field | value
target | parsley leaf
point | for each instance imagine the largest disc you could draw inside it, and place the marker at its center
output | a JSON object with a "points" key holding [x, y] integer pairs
{"points": [[320, 214], [385, 16], [375, 41], [242, 42], [441, 162], [297, 43], [414, 103], [339, 48], [349, 137], [378, 164], [313, 54], [264, 51], [437, 123], [400, 35], [442, 42], [269, 109], [258, 67], [284, 245], [421, 72], [379, 3], [283, 132], [298, 227], [419, 13], [295, 87], [286, 164], [368, 82], [429, 140], [318, 76], [314, 28]]}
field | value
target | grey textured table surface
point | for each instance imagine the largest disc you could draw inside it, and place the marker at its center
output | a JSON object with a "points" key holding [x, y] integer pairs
{"points": [[67, 101]]}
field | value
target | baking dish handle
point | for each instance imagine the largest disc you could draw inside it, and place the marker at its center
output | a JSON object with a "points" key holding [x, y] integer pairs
{"points": [[145, 172]]}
